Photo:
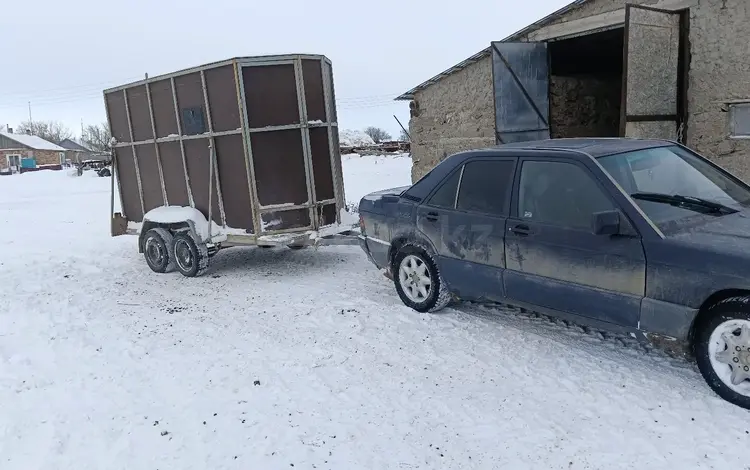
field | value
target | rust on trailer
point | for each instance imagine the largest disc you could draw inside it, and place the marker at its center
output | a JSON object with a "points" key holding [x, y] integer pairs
{"points": [[272, 123]]}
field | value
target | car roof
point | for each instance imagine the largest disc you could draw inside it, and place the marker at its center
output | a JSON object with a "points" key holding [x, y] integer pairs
{"points": [[596, 147]]}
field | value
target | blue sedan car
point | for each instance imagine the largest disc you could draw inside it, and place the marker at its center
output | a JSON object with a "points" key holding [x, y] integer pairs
{"points": [[642, 236]]}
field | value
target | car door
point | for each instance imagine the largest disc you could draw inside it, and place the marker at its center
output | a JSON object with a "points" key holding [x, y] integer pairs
{"points": [[553, 257], [464, 219]]}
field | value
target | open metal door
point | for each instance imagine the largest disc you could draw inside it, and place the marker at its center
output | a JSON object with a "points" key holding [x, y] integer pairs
{"points": [[520, 76], [650, 106]]}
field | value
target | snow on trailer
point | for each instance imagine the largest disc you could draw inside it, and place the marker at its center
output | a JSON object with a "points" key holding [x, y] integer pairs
{"points": [[250, 144]]}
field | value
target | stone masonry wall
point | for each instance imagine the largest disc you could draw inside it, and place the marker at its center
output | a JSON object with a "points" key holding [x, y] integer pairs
{"points": [[719, 71], [455, 114]]}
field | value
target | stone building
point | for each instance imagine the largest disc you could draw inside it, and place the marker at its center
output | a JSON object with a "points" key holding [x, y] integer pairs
{"points": [[29, 151], [675, 69]]}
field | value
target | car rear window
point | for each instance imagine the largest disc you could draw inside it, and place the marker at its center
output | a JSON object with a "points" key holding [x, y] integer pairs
{"points": [[485, 186]]}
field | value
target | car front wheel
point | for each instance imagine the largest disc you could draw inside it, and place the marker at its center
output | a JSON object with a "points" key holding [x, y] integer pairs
{"points": [[722, 350], [418, 280]]}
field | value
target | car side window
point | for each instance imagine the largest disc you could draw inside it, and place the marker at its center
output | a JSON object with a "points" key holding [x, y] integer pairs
{"points": [[559, 193], [484, 186], [445, 196]]}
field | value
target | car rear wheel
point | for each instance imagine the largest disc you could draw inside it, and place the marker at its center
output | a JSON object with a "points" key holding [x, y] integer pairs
{"points": [[418, 281], [722, 350]]}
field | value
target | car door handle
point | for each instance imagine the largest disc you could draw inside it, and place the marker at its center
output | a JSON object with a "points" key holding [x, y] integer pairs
{"points": [[431, 216], [521, 230]]}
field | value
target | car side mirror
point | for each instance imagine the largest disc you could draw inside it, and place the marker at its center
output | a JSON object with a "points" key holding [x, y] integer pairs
{"points": [[606, 223]]}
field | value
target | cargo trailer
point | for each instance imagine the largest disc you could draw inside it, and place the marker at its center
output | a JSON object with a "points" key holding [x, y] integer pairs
{"points": [[239, 152]]}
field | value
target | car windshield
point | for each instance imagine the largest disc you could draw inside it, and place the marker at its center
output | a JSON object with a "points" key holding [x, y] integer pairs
{"points": [[671, 184]]}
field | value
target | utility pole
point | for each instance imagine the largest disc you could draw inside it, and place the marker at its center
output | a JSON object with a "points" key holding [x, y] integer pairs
{"points": [[30, 121]]}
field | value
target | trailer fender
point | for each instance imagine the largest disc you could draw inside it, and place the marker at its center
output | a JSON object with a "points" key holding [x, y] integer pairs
{"points": [[173, 228]]}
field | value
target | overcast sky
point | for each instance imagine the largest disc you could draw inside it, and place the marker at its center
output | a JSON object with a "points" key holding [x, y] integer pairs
{"points": [[60, 55]]}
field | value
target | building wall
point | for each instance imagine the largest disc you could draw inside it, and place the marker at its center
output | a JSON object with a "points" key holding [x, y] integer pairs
{"points": [[455, 114], [42, 157], [719, 71]]}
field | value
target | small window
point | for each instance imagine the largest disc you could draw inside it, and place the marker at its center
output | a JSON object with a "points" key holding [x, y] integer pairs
{"points": [[445, 196], [739, 120], [559, 193], [484, 186]]}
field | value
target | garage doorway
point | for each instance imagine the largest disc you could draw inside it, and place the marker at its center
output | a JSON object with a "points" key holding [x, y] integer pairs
{"points": [[585, 85], [628, 80]]}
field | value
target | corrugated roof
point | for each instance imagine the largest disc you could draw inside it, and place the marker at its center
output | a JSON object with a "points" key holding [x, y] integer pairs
{"points": [[486, 52], [32, 141]]}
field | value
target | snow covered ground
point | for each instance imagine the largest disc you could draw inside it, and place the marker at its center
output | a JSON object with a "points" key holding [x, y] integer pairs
{"points": [[281, 359]]}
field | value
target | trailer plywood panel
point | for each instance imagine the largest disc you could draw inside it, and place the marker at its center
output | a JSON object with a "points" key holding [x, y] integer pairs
{"points": [[279, 167], [270, 95], [230, 158], [197, 156], [328, 214], [162, 103], [140, 116], [118, 116], [222, 98], [285, 220], [174, 174], [191, 104], [312, 74], [321, 162], [150, 179], [131, 200]]}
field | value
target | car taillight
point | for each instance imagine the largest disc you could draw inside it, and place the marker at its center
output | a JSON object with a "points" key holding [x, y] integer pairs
{"points": [[361, 224]]}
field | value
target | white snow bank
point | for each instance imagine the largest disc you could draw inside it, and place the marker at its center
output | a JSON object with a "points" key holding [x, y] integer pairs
{"points": [[351, 138], [307, 358], [366, 174]]}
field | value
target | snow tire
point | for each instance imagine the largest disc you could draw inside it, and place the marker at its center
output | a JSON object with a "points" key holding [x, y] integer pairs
{"points": [[157, 249], [734, 308], [197, 262], [439, 296]]}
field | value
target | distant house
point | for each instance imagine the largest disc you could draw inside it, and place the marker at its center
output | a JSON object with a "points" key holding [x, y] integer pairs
{"points": [[76, 151], [27, 151]]}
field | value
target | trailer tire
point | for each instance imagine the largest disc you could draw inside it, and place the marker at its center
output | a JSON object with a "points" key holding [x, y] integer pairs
{"points": [[191, 258], [157, 249]]}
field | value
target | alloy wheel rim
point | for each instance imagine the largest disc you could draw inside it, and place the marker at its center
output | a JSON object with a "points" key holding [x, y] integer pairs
{"points": [[415, 280], [729, 354]]}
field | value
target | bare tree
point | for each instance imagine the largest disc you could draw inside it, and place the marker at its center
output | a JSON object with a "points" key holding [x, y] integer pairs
{"points": [[97, 137], [52, 131], [377, 134], [404, 136]]}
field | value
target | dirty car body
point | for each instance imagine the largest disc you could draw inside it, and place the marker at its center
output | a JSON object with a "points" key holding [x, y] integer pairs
{"points": [[557, 226]]}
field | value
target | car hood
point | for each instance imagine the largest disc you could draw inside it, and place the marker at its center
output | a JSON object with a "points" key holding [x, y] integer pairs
{"points": [[729, 233]]}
